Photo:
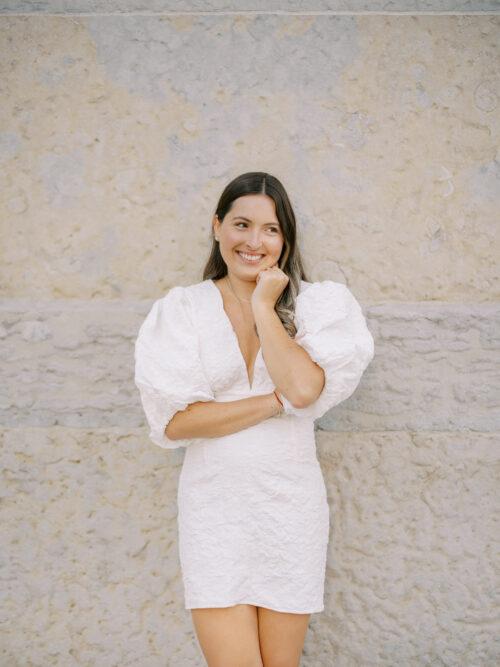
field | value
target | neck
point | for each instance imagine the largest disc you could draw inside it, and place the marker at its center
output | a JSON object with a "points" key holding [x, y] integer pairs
{"points": [[243, 288]]}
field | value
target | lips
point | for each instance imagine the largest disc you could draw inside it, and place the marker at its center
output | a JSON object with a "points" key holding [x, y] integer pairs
{"points": [[246, 260]]}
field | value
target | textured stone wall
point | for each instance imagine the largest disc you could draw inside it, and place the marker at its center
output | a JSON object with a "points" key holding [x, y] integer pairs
{"points": [[121, 123]]}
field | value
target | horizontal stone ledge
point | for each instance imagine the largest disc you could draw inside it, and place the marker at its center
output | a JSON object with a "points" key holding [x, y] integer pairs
{"points": [[71, 363], [90, 7]]}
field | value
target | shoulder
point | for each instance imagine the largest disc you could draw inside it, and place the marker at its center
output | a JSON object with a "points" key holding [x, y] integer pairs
{"points": [[183, 294], [323, 290], [172, 307], [185, 305], [322, 303]]}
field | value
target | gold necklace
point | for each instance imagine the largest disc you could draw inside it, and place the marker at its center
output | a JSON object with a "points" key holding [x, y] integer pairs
{"points": [[241, 307], [232, 290]]}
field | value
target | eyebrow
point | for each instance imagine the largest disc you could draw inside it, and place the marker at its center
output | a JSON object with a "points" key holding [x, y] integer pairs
{"points": [[242, 217]]}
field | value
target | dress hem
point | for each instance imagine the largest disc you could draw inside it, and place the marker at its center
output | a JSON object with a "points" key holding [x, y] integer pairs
{"points": [[206, 605]]}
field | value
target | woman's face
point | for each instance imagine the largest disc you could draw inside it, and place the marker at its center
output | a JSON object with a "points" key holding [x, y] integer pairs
{"points": [[251, 226]]}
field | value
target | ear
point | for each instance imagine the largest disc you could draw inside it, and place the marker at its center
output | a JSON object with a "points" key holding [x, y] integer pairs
{"points": [[215, 224]]}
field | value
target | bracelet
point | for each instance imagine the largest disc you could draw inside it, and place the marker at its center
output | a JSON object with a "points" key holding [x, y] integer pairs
{"points": [[280, 402]]}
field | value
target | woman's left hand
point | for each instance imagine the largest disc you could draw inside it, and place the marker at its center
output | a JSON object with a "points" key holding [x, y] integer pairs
{"points": [[270, 284]]}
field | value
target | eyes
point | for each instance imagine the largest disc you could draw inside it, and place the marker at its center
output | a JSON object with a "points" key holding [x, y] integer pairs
{"points": [[274, 229]]}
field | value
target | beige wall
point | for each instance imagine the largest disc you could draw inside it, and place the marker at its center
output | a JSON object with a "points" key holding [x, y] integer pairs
{"points": [[121, 123]]}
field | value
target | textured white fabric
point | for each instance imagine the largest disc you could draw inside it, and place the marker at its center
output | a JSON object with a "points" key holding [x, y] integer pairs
{"points": [[253, 515], [332, 329], [168, 372]]}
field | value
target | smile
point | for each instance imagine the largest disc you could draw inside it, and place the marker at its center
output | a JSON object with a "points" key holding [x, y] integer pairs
{"points": [[249, 259]]}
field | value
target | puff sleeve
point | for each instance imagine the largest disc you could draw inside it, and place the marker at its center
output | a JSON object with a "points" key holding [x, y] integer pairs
{"points": [[168, 370], [333, 331]]}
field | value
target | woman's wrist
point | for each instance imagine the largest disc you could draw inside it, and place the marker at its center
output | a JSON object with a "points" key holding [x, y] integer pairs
{"points": [[279, 408]]}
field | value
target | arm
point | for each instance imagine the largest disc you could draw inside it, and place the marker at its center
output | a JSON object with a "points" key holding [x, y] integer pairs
{"points": [[292, 370], [212, 419], [331, 327]]}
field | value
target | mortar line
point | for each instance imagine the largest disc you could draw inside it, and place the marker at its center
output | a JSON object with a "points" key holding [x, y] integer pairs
{"points": [[265, 13]]}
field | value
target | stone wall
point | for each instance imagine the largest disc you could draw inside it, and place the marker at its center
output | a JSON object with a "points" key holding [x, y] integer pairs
{"points": [[121, 123]]}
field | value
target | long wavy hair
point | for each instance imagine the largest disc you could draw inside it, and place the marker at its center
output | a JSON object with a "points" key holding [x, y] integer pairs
{"points": [[290, 261]]}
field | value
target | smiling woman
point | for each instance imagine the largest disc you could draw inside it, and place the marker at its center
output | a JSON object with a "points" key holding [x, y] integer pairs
{"points": [[236, 368], [253, 234]]}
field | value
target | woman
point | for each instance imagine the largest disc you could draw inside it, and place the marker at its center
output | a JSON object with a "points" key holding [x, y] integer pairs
{"points": [[236, 368]]}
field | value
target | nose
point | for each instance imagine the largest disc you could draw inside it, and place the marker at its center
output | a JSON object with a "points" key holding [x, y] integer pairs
{"points": [[253, 241]]}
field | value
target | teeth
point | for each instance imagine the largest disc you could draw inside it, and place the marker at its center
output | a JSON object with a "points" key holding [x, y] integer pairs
{"points": [[251, 258]]}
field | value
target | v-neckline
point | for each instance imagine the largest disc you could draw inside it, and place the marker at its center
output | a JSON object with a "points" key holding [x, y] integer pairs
{"points": [[236, 339]]}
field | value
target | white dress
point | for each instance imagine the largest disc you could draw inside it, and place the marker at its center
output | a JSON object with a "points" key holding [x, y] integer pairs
{"points": [[253, 516]]}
